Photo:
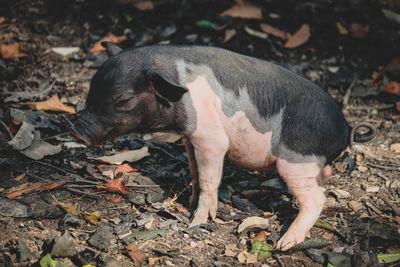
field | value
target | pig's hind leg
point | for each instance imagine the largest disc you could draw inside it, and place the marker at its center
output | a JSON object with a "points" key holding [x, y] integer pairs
{"points": [[301, 179], [194, 198]]}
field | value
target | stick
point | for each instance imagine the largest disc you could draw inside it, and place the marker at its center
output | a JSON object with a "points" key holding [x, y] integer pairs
{"points": [[346, 97], [7, 130]]}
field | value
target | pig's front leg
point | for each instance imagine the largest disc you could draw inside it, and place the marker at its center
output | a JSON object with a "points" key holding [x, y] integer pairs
{"points": [[301, 179], [209, 158], [194, 198]]}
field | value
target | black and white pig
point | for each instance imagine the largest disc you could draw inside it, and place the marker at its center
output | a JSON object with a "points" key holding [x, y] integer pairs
{"points": [[255, 113]]}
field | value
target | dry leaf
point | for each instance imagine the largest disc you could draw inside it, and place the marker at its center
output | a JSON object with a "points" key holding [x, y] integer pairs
{"points": [[273, 31], [393, 88], [229, 34], [98, 48], [17, 193], [398, 105], [261, 236], [252, 223], [152, 261], [136, 255], [2, 19], [341, 29], [143, 5], [124, 168], [182, 210], [244, 10], [92, 218], [300, 37], [163, 137], [52, 104], [114, 186], [358, 30], [129, 156], [11, 51]]}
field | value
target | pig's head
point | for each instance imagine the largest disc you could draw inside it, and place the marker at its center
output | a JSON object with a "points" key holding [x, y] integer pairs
{"points": [[127, 94]]}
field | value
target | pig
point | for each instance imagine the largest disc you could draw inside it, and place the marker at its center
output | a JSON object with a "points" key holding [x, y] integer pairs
{"points": [[257, 114]]}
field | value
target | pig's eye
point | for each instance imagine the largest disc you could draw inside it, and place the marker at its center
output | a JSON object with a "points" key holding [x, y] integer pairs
{"points": [[125, 104]]}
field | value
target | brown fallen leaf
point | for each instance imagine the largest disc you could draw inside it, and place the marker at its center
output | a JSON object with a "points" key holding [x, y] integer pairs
{"points": [[398, 105], [13, 50], [229, 34], [17, 193], [299, 38], [51, 104], [51, 186], [273, 31], [341, 29], [182, 210], [163, 137], [141, 5], [114, 186], [136, 254], [98, 48], [358, 30], [244, 10], [393, 88], [152, 261], [129, 156], [2, 19], [124, 168], [261, 236]]}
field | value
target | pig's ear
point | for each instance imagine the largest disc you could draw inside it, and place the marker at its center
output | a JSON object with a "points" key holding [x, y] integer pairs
{"points": [[164, 86], [112, 49]]}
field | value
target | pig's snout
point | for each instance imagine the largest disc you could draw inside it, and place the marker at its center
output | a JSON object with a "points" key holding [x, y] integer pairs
{"points": [[90, 128]]}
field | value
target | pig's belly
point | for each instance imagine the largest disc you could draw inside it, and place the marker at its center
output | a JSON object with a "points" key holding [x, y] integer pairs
{"points": [[247, 147]]}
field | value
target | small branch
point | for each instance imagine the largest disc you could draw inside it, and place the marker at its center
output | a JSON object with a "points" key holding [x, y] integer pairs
{"points": [[395, 209], [91, 195], [389, 168], [7, 130], [54, 167], [346, 97]]}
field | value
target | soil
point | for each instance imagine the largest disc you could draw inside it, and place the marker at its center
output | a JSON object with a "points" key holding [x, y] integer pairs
{"points": [[368, 173]]}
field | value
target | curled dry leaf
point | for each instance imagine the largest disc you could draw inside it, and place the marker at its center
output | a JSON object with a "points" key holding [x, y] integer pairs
{"points": [[229, 34], [17, 193], [98, 48], [273, 31], [341, 29], [136, 254], [51, 104], [393, 88], [129, 156], [244, 10], [115, 186], [358, 30], [300, 37], [2, 19], [13, 50], [124, 168]]}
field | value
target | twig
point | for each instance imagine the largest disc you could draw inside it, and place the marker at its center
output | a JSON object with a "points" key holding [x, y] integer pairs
{"points": [[68, 121], [38, 177], [7, 130], [54, 167], [389, 168], [395, 209], [55, 136], [364, 107], [92, 195], [346, 97], [279, 260]]}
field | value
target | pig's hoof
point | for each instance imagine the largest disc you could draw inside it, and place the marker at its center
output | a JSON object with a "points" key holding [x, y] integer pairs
{"points": [[201, 216], [289, 240]]}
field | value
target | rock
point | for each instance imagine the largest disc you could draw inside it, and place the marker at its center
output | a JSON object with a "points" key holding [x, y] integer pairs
{"points": [[315, 254], [101, 239], [65, 51], [191, 38], [356, 206], [72, 220], [136, 198], [252, 223], [330, 202], [24, 137], [395, 148], [362, 168], [64, 246], [372, 189], [156, 196], [25, 253], [42, 210], [341, 193], [10, 208]]}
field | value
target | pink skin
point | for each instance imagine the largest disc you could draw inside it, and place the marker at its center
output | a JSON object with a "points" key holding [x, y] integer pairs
{"points": [[217, 135]]}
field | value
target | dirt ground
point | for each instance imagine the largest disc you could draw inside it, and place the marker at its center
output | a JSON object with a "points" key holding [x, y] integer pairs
{"points": [[361, 218]]}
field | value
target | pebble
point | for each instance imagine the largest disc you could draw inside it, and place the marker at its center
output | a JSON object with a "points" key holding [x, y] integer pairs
{"points": [[64, 246], [101, 239], [372, 189], [355, 205], [395, 148]]}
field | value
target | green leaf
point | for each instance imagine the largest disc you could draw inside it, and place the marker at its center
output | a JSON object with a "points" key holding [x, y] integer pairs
{"points": [[388, 258], [147, 235], [330, 265], [206, 24], [263, 250], [311, 243], [374, 112], [47, 261], [324, 225], [128, 17]]}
